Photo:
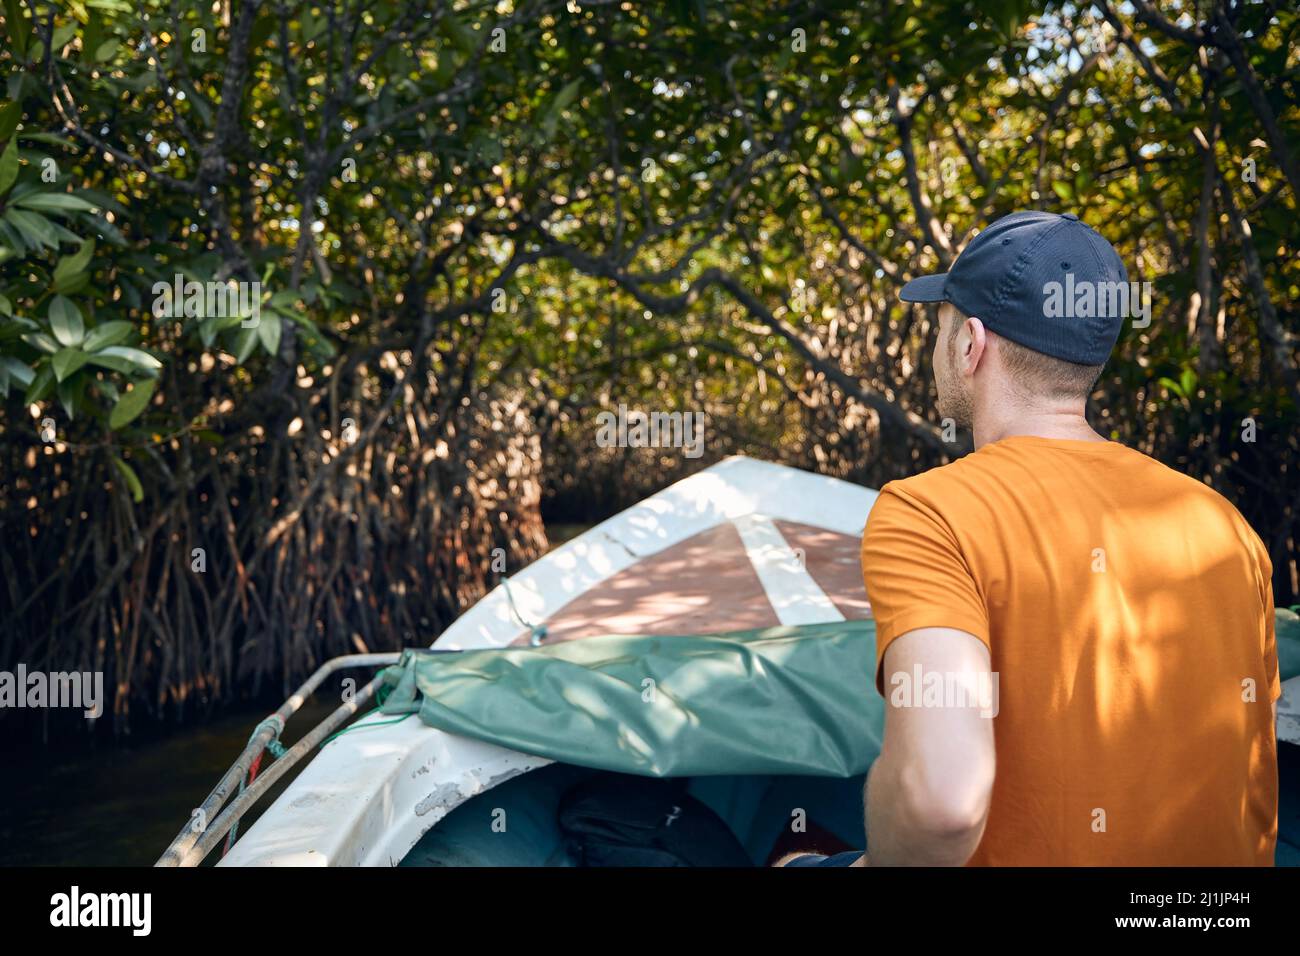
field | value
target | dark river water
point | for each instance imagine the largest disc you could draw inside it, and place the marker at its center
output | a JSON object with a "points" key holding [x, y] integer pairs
{"points": [[122, 805]]}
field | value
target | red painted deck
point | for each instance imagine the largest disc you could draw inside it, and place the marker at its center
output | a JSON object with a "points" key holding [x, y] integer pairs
{"points": [[706, 584]]}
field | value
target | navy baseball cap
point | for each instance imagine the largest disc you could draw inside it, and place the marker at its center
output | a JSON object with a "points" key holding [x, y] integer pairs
{"points": [[1005, 278]]}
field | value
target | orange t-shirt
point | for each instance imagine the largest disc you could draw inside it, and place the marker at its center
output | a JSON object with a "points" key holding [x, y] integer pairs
{"points": [[1128, 612]]}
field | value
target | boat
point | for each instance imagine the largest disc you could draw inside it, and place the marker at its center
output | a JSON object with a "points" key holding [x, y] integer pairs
{"points": [[688, 653]]}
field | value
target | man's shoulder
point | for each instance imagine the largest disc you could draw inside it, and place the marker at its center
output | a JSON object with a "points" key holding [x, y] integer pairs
{"points": [[946, 491], [931, 488], [1005, 469], [925, 499], [1178, 483]]}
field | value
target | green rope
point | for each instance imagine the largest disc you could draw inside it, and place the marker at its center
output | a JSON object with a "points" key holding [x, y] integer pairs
{"points": [[381, 695], [360, 726]]}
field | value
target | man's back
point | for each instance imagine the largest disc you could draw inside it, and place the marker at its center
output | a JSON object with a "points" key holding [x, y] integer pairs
{"points": [[1129, 617]]}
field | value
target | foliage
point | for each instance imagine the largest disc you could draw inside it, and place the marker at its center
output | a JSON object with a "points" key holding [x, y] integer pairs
{"points": [[466, 228]]}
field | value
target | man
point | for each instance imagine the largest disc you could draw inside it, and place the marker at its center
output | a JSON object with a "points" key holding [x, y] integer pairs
{"points": [[1120, 612]]}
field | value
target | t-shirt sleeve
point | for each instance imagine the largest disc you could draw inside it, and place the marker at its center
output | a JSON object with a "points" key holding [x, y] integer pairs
{"points": [[915, 573]]}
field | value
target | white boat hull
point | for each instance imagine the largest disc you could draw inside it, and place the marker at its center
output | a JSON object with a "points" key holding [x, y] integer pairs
{"points": [[370, 795]]}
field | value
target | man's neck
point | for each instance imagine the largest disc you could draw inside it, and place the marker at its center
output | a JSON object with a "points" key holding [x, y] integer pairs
{"points": [[1069, 425]]}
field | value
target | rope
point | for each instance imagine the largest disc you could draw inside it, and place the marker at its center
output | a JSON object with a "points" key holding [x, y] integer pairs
{"points": [[536, 632], [360, 726], [381, 695], [276, 749]]}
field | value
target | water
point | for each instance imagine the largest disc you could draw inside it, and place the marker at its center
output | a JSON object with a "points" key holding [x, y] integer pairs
{"points": [[123, 805]]}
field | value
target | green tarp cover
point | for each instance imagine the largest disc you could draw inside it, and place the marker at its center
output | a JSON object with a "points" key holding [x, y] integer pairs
{"points": [[781, 700], [1288, 643]]}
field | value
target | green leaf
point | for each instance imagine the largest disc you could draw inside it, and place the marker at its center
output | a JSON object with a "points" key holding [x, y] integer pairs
{"points": [[463, 37], [113, 362], [10, 114], [37, 231], [1188, 382], [9, 165], [69, 392], [75, 284], [61, 35], [54, 139], [6, 307], [66, 322], [93, 35], [19, 27], [18, 370], [1064, 189], [40, 387], [18, 322], [217, 324], [110, 333], [311, 26], [268, 330], [135, 356], [562, 100], [67, 361], [208, 332], [54, 202], [131, 478], [106, 50], [130, 405], [73, 267], [245, 341], [41, 342]]}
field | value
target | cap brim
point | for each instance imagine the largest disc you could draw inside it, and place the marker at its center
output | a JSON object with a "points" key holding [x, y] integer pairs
{"points": [[925, 289]]}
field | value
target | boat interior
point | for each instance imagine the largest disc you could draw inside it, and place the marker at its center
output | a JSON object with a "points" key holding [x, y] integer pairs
{"points": [[726, 821]]}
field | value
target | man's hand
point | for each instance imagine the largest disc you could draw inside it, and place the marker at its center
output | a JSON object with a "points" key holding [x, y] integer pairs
{"points": [[928, 794]]}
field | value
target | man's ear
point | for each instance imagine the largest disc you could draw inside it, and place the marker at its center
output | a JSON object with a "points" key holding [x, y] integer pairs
{"points": [[972, 344]]}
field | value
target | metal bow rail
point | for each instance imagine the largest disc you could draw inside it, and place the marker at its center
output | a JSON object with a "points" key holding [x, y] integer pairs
{"points": [[201, 835], [207, 827]]}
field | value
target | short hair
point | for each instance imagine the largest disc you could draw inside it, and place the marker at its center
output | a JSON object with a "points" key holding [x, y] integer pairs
{"points": [[1044, 376], [1036, 374]]}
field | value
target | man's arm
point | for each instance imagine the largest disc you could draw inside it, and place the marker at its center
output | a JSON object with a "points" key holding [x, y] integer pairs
{"points": [[929, 791]]}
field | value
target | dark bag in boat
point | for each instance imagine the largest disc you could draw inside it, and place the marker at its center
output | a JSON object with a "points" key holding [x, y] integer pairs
{"points": [[624, 820]]}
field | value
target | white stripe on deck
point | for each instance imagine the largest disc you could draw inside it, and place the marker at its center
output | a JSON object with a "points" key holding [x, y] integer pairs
{"points": [[794, 595]]}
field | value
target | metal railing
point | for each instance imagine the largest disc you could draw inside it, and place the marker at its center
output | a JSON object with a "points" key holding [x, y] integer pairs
{"points": [[207, 827]]}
